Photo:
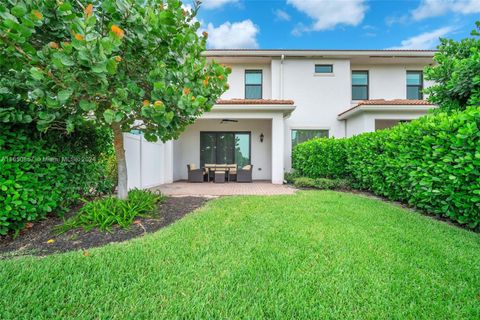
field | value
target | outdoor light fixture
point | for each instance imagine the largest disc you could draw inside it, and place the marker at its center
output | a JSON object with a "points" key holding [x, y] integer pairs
{"points": [[261, 137]]}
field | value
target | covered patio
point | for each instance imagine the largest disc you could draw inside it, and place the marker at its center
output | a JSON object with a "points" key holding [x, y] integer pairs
{"points": [[184, 188], [239, 132]]}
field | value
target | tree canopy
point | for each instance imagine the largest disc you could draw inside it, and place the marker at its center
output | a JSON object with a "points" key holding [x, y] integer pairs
{"points": [[457, 73], [124, 64], [136, 63]]}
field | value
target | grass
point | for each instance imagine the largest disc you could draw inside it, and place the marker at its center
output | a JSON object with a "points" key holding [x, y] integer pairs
{"points": [[317, 255]]}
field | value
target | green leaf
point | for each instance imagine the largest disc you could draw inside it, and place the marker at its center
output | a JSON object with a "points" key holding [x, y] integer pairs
{"points": [[87, 105], [158, 85], [63, 95], [109, 116], [36, 73], [66, 61], [19, 10], [100, 67], [65, 6], [111, 67]]}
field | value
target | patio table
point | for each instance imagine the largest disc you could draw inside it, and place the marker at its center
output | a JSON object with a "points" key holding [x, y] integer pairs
{"points": [[225, 169]]}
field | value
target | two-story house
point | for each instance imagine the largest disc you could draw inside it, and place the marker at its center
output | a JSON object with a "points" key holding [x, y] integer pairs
{"points": [[279, 98]]}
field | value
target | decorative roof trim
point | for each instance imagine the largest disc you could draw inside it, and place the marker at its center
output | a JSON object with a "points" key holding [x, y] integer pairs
{"points": [[383, 105], [255, 102]]}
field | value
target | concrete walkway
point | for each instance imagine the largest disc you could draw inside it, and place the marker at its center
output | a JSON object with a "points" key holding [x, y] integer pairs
{"points": [[183, 188]]}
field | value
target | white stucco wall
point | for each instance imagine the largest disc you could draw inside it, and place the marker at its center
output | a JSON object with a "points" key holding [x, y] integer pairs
{"points": [[187, 148], [365, 122], [318, 98], [389, 81], [355, 125]]}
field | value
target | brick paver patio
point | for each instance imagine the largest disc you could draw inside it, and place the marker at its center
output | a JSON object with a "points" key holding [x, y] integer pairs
{"points": [[183, 188]]}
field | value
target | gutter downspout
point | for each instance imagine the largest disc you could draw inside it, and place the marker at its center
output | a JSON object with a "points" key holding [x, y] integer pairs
{"points": [[281, 76]]}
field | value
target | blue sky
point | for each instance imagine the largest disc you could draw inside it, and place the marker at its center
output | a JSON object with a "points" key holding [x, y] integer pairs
{"points": [[335, 24]]}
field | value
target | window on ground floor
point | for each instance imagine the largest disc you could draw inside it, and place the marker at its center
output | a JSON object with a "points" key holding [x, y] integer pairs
{"points": [[225, 147], [381, 124], [302, 135]]}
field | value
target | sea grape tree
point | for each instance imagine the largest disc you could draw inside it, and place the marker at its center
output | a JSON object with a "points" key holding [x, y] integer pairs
{"points": [[124, 64]]}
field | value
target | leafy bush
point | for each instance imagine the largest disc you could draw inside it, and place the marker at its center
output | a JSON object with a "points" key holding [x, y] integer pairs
{"points": [[321, 157], [43, 173], [456, 73], [321, 183], [290, 177], [332, 184], [432, 163], [109, 211], [304, 182]]}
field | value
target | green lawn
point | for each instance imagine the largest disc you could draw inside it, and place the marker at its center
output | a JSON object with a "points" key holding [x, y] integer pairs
{"points": [[312, 255]]}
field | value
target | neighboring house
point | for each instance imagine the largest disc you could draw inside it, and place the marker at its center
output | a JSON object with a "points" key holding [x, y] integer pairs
{"points": [[279, 98]]}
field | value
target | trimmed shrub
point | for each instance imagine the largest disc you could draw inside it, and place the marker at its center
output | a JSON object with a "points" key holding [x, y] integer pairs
{"points": [[321, 183], [290, 177], [109, 211], [320, 157], [432, 163], [332, 184], [304, 182], [44, 173]]}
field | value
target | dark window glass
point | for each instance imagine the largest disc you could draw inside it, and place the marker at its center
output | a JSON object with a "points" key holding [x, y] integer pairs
{"points": [[253, 84], [242, 149], [323, 68], [299, 136], [359, 85], [225, 147], [414, 85]]}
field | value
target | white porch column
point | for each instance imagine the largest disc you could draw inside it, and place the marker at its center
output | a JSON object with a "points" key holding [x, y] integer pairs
{"points": [[277, 148]]}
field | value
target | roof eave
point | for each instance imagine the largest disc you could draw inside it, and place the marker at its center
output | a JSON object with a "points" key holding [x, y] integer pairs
{"points": [[310, 53], [402, 108], [285, 109]]}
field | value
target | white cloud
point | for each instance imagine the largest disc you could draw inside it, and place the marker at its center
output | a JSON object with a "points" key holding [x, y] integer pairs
{"points": [[326, 14], [237, 35], [282, 15], [434, 8], [214, 4], [427, 40]]}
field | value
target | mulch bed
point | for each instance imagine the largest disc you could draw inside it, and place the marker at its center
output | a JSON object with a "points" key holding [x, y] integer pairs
{"points": [[34, 240]]}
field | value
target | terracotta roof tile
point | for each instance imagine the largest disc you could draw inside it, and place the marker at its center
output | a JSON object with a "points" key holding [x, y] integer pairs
{"points": [[393, 102], [383, 102], [255, 101]]}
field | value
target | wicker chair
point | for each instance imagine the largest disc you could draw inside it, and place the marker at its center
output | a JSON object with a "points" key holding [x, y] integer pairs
{"points": [[232, 171], [194, 174], [245, 174]]}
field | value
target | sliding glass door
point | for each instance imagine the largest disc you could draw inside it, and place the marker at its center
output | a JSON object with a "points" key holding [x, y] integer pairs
{"points": [[225, 147]]}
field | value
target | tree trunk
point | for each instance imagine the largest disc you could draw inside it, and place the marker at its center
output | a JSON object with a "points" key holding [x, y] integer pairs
{"points": [[122, 192]]}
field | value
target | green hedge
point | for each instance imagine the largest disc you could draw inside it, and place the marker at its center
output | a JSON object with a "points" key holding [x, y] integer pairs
{"points": [[43, 173], [432, 163], [325, 151]]}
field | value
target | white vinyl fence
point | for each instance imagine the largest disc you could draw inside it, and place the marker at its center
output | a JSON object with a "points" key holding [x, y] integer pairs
{"points": [[148, 164]]}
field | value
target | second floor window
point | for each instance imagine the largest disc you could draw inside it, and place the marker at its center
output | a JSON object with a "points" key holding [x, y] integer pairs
{"points": [[414, 85], [253, 84], [323, 68], [359, 85]]}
